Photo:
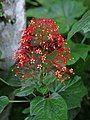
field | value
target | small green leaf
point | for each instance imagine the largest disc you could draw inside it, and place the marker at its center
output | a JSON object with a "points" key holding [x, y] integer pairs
{"points": [[4, 101], [26, 110], [48, 79], [42, 89], [53, 108], [78, 51], [24, 91], [73, 94], [82, 24]]}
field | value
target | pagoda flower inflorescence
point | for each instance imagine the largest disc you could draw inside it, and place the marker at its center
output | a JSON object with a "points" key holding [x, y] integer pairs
{"points": [[42, 48]]}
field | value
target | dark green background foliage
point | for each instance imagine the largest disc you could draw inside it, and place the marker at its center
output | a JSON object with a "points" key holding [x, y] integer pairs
{"points": [[73, 19]]}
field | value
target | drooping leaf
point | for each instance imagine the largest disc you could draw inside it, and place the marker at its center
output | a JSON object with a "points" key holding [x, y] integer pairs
{"points": [[4, 101], [77, 51], [53, 108], [24, 91], [83, 24], [73, 94]]}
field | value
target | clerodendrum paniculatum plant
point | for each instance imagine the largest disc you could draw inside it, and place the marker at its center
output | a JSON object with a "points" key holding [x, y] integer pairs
{"points": [[41, 63], [45, 79]]}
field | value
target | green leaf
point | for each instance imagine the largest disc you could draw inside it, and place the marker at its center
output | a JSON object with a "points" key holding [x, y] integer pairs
{"points": [[68, 8], [53, 108], [37, 12], [63, 12], [48, 79], [11, 79], [73, 94], [26, 110], [83, 24], [4, 101], [46, 3], [67, 11], [63, 25], [59, 87], [78, 51], [24, 91], [42, 89], [73, 113]]}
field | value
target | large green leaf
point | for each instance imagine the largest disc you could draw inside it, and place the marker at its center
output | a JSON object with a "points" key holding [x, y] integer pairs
{"points": [[4, 101], [82, 24], [78, 51], [67, 11], [58, 87], [73, 94], [64, 12], [53, 108]]}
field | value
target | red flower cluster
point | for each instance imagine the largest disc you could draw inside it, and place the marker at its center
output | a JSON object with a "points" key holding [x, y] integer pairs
{"points": [[42, 48]]}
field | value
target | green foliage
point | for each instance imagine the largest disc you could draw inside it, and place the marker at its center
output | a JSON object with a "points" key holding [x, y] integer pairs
{"points": [[72, 91], [49, 108], [4, 101], [26, 110], [73, 94], [82, 24], [78, 51], [42, 89], [24, 91], [63, 11]]}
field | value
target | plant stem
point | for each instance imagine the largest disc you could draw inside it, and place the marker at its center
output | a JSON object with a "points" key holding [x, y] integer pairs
{"points": [[83, 40], [17, 101], [3, 81]]}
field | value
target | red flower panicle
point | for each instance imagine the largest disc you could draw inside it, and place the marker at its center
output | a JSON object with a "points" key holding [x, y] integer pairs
{"points": [[42, 47]]}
